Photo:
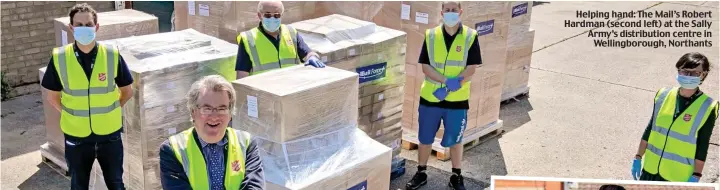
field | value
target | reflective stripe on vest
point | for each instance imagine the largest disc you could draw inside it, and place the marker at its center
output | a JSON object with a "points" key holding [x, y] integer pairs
{"points": [[188, 152], [672, 142], [88, 106], [262, 59], [452, 66]]}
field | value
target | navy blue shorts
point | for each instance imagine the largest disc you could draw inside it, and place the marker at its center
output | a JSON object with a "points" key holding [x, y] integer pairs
{"points": [[454, 121]]}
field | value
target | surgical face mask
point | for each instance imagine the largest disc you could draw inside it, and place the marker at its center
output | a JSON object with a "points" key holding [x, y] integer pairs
{"points": [[451, 18], [84, 35], [271, 24], [688, 82]]}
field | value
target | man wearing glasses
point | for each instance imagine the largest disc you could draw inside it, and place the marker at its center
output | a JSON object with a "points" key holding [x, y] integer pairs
{"points": [[271, 45], [676, 140], [211, 155], [449, 56]]}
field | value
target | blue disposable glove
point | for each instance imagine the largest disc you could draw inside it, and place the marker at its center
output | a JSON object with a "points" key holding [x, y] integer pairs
{"points": [[315, 62], [636, 169], [453, 84], [441, 93], [694, 179]]}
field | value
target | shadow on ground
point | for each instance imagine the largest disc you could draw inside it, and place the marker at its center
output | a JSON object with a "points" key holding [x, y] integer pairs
{"points": [[537, 3], [437, 179], [45, 178], [515, 113]]}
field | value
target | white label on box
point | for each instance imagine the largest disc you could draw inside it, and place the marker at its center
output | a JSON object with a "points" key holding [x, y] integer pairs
{"points": [[421, 17], [191, 7], [351, 52], [405, 12], [378, 133], [380, 97], [402, 49], [170, 109], [324, 58], [204, 10], [170, 85], [252, 106], [64, 37], [172, 131], [379, 115]]}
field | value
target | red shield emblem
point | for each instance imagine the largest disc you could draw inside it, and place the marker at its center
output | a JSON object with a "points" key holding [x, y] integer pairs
{"points": [[458, 49], [687, 117], [101, 77], [236, 166]]}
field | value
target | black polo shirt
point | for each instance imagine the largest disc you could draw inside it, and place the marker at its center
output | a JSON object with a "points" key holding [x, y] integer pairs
{"points": [[51, 81], [473, 59], [243, 62]]}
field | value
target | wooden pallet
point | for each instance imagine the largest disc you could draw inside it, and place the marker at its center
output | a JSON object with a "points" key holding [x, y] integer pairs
{"points": [[514, 94], [471, 139], [54, 159]]}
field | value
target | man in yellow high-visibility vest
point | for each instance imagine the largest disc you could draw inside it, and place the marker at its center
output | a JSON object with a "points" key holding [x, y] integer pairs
{"points": [[88, 83], [211, 155], [675, 142], [449, 56], [272, 45]]}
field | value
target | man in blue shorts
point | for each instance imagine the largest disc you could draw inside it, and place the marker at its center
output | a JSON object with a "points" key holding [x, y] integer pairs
{"points": [[449, 56]]}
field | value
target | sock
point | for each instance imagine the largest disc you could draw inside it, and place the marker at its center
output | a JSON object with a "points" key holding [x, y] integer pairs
{"points": [[421, 168], [456, 171]]}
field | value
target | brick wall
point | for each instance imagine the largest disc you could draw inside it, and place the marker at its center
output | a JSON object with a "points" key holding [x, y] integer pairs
{"points": [[28, 38]]}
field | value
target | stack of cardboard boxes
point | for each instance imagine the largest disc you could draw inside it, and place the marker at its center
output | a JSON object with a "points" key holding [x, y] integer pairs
{"points": [[305, 123], [113, 24], [520, 47], [491, 20]]}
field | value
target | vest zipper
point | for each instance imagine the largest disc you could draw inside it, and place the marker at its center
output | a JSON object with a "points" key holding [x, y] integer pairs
{"points": [[667, 135]]}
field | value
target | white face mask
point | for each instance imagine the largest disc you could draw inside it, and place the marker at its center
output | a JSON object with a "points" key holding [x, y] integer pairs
{"points": [[451, 18]]}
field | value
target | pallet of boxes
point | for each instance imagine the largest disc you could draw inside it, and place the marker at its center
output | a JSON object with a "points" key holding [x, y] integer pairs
{"points": [[519, 54], [305, 123], [490, 19], [113, 24]]}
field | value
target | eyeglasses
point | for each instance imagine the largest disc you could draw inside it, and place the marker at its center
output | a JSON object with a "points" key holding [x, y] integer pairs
{"points": [[690, 73], [268, 15], [207, 110]]}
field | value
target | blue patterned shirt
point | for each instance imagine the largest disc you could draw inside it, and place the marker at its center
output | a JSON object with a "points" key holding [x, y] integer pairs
{"points": [[215, 162]]}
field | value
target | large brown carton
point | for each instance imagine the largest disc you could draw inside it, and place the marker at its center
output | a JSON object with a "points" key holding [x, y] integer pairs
{"points": [[297, 102], [113, 25], [520, 46], [164, 66], [227, 19]]}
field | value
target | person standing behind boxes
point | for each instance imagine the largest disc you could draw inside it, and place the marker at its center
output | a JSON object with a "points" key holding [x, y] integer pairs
{"points": [[211, 155], [271, 45], [449, 56], [88, 83]]}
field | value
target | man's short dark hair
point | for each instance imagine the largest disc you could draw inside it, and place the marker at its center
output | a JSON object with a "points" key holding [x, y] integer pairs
{"points": [[82, 8], [693, 60], [446, 2], [612, 187]]}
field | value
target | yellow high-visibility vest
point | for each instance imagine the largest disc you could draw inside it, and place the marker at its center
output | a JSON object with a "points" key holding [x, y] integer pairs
{"points": [[263, 54], [88, 106], [672, 143], [449, 64], [190, 155]]}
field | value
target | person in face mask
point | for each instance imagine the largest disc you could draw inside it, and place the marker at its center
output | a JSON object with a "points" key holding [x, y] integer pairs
{"points": [[88, 83], [449, 56], [272, 45], [675, 143]]}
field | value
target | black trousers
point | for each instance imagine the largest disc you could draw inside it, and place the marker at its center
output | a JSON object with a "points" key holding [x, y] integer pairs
{"points": [[80, 157]]}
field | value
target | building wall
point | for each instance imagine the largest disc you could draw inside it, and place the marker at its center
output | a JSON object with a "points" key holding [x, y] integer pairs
{"points": [[28, 38]]}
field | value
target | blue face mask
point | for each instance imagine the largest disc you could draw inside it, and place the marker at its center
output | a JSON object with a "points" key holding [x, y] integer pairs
{"points": [[451, 19], [84, 35], [688, 82], [271, 24]]}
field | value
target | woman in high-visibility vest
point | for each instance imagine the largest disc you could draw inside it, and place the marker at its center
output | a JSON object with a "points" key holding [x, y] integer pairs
{"points": [[675, 143]]}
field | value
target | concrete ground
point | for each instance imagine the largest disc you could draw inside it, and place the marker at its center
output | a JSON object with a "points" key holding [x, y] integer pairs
{"points": [[584, 117]]}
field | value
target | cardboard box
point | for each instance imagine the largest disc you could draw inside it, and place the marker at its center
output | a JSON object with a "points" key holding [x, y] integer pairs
{"points": [[113, 25], [227, 19], [296, 102], [53, 133], [382, 13], [164, 67]]}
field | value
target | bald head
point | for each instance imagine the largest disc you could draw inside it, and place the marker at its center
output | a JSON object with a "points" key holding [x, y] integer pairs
{"points": [[271, 6]]}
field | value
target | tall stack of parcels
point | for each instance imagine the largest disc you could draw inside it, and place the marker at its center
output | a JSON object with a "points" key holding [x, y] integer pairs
{"points": [[305, 123], [164, 67], [520, 47], [491, 20], [113, 25]]}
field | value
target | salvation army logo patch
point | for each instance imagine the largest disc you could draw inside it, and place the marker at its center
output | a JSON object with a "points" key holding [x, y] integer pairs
{"points": [[101, 77], [236, 166], [687, 117], [289, 41], [458, 49]]}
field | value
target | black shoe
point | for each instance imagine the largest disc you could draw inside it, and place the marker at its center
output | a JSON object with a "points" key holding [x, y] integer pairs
{"points": [[456, 182], [418, 180]]}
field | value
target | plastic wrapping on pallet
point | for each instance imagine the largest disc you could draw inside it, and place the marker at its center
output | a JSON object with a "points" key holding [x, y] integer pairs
{"points": [[377, 54], [296, 102], [164, 66], [342, 159], [113, 25]]}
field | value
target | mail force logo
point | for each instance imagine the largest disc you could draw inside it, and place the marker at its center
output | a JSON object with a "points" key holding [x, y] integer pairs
{"points": [[372, 72], [485, 27], [520, 9], [359, 186], [101, 77]]}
